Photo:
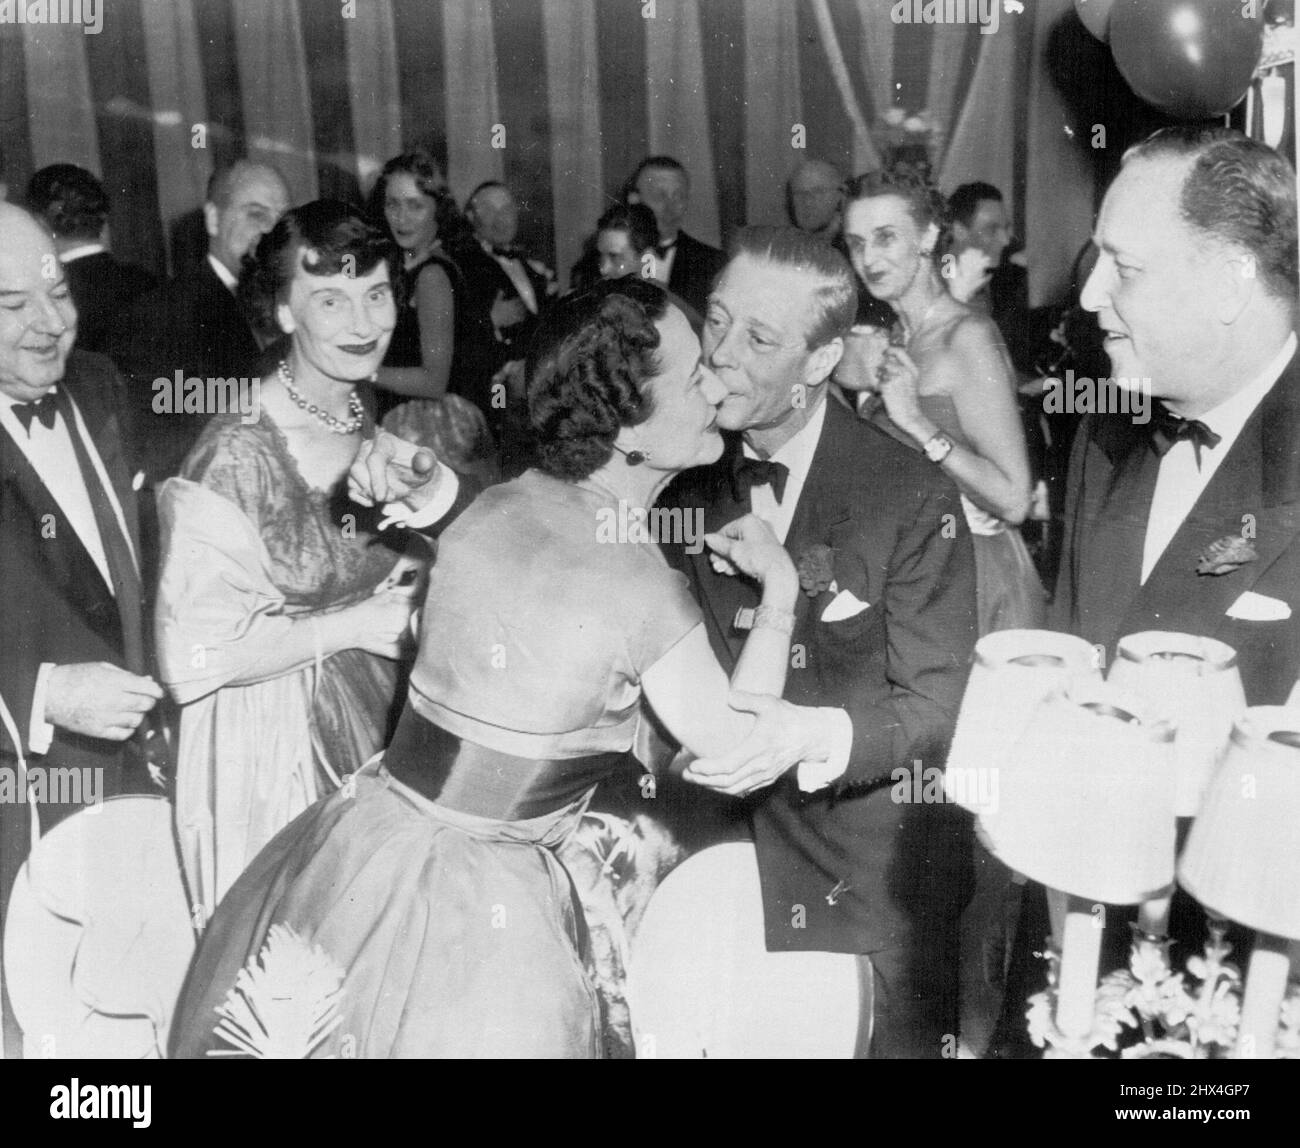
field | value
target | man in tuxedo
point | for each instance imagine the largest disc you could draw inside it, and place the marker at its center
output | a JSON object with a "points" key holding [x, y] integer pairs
{"points": [[1189, 521], [882, 635], [194, 324], [686, 265], [74, 204], [73, 655]]}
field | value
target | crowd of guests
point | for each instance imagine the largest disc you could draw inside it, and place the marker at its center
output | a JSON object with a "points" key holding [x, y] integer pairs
{"points": [[359, 660]]}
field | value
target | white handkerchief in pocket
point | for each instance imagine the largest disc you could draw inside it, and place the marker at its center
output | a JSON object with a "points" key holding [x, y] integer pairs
{"points": [[1252, 607], [843, 605]]}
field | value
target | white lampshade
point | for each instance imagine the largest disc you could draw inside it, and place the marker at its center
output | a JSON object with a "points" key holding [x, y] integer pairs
{"points": [[1242, 858], [1013, 671], [1086, 797], [1194, 683]]}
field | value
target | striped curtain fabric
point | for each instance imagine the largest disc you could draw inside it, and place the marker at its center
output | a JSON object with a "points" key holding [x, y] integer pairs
{"points": [[560, 98]]}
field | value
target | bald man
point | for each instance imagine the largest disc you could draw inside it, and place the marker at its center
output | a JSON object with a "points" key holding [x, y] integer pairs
{"points": [[194, 323], [74, 663], [815, 197]]}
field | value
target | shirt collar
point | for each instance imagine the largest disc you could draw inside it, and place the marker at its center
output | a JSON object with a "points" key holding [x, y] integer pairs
{"points": [[230, 281], [1227, 419], [796, 453], [81, 251]]}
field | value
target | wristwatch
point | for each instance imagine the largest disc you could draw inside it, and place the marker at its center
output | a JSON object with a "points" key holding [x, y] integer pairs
{"points": [[938, 447]]}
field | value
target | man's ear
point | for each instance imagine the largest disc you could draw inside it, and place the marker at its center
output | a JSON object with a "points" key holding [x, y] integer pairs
{"points": [[1236, 280], [822, 362], [211, 219], [634, 197]]}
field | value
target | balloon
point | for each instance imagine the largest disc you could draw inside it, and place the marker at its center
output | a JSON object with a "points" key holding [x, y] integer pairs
{"points": [[1095, 15], [1191, 58]]}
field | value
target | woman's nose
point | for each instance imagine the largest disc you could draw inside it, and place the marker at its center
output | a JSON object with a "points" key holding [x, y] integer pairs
{"points": [[711, 386]]}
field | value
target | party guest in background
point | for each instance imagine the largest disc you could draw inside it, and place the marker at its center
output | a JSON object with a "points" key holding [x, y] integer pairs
{"points": [[687, 265], [626, 238], [73, 202], [282, 612], [74, 662], [194, 324], [950, 389], [815, 198], [1188, 522]]}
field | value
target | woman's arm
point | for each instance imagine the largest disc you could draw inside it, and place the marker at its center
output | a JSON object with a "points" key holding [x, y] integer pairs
{"points": [[687, 687], [992, 467], [435, 310]]}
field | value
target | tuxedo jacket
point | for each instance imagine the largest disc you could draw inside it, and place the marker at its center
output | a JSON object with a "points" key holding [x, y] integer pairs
{"points": [[191, 324], [1254, 494], [849, 869], [101, 286], [695, 266], [57, 608]]}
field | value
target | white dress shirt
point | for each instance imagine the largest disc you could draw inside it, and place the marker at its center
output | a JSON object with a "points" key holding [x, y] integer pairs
{"points": [[796, 454], [1180, 481], [223, 273], [515, 269], [664, 263]]}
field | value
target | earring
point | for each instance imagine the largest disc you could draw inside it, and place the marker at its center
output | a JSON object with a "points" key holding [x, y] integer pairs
{"points": [[634, 457]]}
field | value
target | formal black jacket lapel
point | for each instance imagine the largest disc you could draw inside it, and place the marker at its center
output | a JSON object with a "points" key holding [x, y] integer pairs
{"points": [[77, 578], [1260, 478]]}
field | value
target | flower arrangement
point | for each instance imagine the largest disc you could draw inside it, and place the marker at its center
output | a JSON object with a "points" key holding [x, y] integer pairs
{"points": [[909, 138], [1180, 1016]]}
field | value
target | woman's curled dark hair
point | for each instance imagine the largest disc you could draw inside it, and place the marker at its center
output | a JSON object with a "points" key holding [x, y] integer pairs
{"points": [[587, 368], [327, 237]]}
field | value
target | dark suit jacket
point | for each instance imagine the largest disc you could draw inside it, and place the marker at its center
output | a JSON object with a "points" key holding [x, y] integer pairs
{"points": [[898, 668], [191, 324], [1256, 490], [695, 266], [101, 286], [57, 607]]}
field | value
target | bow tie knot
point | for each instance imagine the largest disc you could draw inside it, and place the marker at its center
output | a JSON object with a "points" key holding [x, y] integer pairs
{"points": [[509, 252], [751, 472], [43, 410], [663, 250], [1168, 428]]}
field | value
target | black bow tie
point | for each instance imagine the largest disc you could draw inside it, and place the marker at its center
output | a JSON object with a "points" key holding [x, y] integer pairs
{"points": [[752, 472], [1168, 428], [45, 410]]}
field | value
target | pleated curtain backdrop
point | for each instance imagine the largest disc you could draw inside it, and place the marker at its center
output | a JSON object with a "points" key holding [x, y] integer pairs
{"points": [[559, 98]]}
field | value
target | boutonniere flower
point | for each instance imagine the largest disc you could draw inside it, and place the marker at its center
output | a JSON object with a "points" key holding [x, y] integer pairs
{"points": [[1225, 555], [816, 568]]}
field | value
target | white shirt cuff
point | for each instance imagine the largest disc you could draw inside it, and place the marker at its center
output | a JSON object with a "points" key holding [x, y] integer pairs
{"points": [[40, 733], [448, 487], [815, 775]]}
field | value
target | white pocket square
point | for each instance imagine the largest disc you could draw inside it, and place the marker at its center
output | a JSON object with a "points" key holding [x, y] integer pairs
{"points": [[843, 605], [1252, 607]]}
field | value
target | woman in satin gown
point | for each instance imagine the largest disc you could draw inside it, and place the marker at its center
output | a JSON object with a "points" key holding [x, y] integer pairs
{"points": [[275, 631], [434, 882], [946, 373]]}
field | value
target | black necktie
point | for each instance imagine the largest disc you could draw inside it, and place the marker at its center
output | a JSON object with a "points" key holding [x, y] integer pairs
{"points": [[1168, 428], [117, 550], [45, 410], [752, 472]]}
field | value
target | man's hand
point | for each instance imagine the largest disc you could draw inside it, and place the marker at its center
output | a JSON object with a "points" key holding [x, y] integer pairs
{"points": [[390, 469], [507, 313], [782, 737], [99, 699]]}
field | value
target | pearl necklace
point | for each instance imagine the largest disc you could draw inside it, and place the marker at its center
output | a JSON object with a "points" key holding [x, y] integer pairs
{"points": [[337, 426]]}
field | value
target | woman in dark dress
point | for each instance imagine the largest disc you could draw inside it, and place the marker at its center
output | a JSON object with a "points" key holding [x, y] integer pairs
{"points": [[435, 884], [430, 361]]}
